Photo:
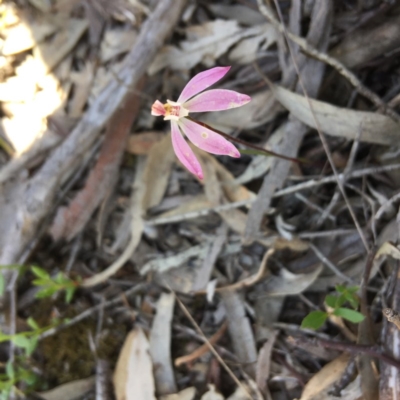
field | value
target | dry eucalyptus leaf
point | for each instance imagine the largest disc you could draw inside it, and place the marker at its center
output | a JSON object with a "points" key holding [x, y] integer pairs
{"points": [[263, 367], [82, 85], [368, 126], [205, 43], [116, 42], [158, 169], [160, 345], [320, 384], [70, 391], [212, 394], [287, 283], [261, 37], [196, 204], [50, 53], [388, 249], [185, 394], [133, 376], [23, 37]]}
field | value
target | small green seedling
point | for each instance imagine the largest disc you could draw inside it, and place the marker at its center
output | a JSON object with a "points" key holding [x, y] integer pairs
{"points": [[49, 285], [19, 370], [315, 319]]}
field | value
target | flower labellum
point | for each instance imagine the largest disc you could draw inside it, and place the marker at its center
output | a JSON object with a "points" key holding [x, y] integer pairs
{"points": [[191, 101]]}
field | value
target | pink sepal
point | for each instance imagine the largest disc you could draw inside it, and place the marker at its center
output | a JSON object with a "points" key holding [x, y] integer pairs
{"points": [[184, 152], [207, 140], [216, 100], [157, 109], [202, 81]]}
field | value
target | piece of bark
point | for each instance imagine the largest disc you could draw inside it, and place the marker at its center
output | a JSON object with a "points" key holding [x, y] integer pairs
{"points": [[30, 208], [311, 73], [71, 219]]}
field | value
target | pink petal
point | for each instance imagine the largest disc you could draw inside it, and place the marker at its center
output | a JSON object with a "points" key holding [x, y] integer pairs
{"points": [[207, 140], [202, 81], [157, 108], [184, 152], [216, 100]]}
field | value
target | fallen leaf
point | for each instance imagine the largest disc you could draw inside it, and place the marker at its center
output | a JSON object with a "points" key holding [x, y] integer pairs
{"points": [[319, 385], [388, 249], [260, 38], [205, 43], [185, 394], [116, 42], [50, 53], [212, 394], [342, 122], [133, 377], [158, 169], [70, 391], [160, 345], [24, 37]]}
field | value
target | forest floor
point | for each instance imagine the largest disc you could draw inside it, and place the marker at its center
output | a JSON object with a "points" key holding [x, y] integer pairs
{"points": [[125, 276]]}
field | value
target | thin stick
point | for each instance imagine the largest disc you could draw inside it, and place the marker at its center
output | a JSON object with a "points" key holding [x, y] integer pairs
{"points": [[203, 349]]}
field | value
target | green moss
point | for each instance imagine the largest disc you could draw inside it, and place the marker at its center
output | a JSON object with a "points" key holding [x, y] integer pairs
{"points": [[66, 356]]}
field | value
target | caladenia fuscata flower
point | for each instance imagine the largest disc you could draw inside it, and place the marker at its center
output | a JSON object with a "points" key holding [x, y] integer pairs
{"points": [[192, 101]]}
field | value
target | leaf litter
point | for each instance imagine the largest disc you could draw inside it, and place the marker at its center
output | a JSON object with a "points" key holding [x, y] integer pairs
{"points": [[91, 187]]}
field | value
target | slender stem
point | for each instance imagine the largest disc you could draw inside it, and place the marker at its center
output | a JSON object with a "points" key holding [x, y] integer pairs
{"points": [[247, 144]]}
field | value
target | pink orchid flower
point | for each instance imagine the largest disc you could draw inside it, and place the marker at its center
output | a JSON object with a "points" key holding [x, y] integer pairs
{"points": [[200, 136]]}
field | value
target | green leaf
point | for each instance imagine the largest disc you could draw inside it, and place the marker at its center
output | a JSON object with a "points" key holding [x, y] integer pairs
{"points": [[29, 377], [341, 300], [314, 320], [353, 289], [331, 300], [60, 279], [354, 301], [46, 292], [340, 288], [40, 273], [33, 342], [21, 341], [10, 370], [32, 323], [349, 315], [69, 293]]}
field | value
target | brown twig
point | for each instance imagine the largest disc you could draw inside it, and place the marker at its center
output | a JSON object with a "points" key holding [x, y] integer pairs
{"points": [[372, 351], [203, 349]]}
